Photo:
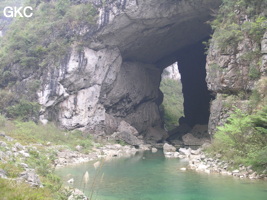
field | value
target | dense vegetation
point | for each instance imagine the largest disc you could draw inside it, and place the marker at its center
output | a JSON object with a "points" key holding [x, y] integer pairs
{"points": [[172, 105], [243, 137], [34, 44], [239, 19], [239, 23], [47, 35]]}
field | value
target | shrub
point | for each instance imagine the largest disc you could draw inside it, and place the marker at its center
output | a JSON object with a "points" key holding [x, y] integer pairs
{"points": [[233, 132], [254, 73], [6, 99], [32, 44], [256, 28], [229, 36], [231, 27], [261, 158], [243, 139], [39, 162], [254, 98], [2, 121], [24, 110], [259, 120]]}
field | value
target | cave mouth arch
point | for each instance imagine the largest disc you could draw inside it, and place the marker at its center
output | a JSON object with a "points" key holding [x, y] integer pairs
{"points": [[191, 64], [122, 64], [136, 96], [197, 97], [149, 41]]}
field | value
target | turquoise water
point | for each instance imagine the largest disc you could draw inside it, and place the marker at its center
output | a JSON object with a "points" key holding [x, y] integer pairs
{"points": [[148, 176]]}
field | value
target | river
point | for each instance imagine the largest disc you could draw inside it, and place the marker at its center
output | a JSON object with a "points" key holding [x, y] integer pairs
{"points": [[150, 176]]}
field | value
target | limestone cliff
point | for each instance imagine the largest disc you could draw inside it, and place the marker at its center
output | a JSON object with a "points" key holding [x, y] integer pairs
{"points": [[171, 72], [237, 63], [117, 76]]}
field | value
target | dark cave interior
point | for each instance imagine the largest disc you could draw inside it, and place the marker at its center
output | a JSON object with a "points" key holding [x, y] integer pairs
{"points": [[191, 64]]}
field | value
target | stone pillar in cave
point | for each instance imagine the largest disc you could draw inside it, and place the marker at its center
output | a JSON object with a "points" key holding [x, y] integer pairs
{"points": [[191, 61]]}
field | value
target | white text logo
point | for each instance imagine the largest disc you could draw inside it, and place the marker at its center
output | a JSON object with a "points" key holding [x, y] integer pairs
{"points": [[18, 12]]}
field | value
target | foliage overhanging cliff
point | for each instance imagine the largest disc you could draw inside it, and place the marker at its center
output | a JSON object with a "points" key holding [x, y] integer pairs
{"points": [[236, 72], [31, 45]]}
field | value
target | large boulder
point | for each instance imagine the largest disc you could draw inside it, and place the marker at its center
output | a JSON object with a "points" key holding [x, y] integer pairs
{"points": [[200, 131], [168, 148], [155, 135], [126, 127], [3, 173], [30, 177], [178, 132], [76, 194], [184, 151], [127, 137], [190, 140]]}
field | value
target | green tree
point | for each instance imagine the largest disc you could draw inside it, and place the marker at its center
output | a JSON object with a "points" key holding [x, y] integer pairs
{"points": [[243, 139], [172, 105]]}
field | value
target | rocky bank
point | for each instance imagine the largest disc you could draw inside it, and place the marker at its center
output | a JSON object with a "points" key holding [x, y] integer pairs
{"points": [[201, 162]]}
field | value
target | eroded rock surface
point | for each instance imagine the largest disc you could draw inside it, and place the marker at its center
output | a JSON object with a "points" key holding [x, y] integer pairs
{"points": [[235, 77], [116, 76]]}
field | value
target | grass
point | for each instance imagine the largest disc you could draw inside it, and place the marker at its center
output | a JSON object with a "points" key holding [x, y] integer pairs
{"points": [[30, 132], [2, 121], [11, 169], [42, 142], [11, 190]]}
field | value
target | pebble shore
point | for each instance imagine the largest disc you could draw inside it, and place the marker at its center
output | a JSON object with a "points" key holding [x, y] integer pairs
{"points": [[200, 162]]}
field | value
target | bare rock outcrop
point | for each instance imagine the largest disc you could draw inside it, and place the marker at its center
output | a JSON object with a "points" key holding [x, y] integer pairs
{"points": [[127, 138], [116, 76]]}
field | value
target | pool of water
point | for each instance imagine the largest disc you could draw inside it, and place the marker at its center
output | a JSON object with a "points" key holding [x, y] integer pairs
{"points": [[150, 176]]}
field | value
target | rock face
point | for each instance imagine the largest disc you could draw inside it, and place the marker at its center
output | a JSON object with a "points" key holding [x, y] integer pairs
{"points": [[235, 77], [127, 137], [3, 173], [171, 72], [125, 127], [117, 76], [130, 25]]}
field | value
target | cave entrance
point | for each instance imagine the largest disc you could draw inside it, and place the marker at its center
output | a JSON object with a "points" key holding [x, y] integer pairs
{"points": [[196, 97], [172, 107], [192, 61]]}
